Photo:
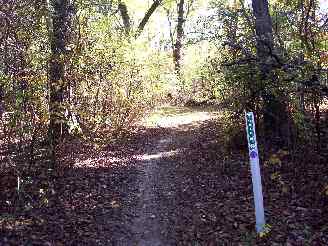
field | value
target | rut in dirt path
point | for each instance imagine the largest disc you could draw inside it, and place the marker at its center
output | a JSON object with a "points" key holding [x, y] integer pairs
{"points": [[148, 227]]}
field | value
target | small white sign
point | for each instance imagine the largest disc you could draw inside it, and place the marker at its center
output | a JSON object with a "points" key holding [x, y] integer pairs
{"points": [[255, 170]]}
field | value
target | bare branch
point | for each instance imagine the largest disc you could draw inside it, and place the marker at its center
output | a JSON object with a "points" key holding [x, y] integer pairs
{"points": [[147, 16]]}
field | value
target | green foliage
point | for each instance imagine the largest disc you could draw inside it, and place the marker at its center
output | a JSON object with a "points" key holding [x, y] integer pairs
{"points": [[232, 72], [117, 79]]}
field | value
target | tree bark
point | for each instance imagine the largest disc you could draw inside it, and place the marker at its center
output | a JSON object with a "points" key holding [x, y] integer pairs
{"points": [[275, 115], [57, 35], [125, 17], [178, 42]]}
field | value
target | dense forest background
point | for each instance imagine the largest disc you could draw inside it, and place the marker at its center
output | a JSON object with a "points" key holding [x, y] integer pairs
{"points": [[91, 69]]}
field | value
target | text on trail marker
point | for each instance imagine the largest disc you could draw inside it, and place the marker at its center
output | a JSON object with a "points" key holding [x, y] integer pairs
{"points": [[256, 173]]}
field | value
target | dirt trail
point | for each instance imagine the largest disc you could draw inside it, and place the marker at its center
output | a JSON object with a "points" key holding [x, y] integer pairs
{"points": [[147, 227], [150, 226], [172, 182]]}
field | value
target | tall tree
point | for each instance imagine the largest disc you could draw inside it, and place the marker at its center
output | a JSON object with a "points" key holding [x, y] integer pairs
{"points": [[57, 35], [183, 9], [275, 114], [178, 42]]}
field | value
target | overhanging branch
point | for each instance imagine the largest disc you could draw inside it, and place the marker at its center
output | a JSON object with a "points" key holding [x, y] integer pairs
{"points": [[147, 16]]}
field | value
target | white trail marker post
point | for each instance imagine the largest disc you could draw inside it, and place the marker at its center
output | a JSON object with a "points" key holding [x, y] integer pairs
{"points": [[255, 170]]}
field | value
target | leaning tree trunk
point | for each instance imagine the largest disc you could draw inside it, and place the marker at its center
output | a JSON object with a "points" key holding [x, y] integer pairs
{"points": [[178, 42], [123, 9], [275, 116], [125, 17], [57, 36], [147, 16]]}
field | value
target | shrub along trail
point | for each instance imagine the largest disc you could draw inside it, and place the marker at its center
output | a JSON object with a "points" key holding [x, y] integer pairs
{"points": [[173, 181]]}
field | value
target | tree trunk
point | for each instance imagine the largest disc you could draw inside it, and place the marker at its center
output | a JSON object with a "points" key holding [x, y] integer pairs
{"points": [[178, 42], [127, 21], [125, 17], [147, 16], [275, 116], [57, 36], [232, 28]]}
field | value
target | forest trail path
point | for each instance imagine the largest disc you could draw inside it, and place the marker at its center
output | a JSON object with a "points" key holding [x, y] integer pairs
{"points": [[150, 226], [170, 181], [146, 227], [175, 180]]}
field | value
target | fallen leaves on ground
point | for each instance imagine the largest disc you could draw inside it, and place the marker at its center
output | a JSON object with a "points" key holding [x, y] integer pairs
{"points": [[204, 194]]}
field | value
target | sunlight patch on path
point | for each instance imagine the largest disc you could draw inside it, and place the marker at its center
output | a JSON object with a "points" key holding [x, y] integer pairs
{"points": [[147, 157], [167, 117], [100, 162], [175, 121]]}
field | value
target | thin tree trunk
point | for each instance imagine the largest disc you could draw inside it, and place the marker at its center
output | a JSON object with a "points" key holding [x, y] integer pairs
{"points": [[178, 42], [127, 20], [125, 17], [232, 28], [147, 16], [275, 114]]}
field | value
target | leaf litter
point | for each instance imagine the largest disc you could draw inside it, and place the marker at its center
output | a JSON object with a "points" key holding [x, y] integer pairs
{"points": [[131, 192]]}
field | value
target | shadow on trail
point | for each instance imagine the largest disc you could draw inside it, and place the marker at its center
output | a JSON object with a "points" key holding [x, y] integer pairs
{"points": [[204, 194], [91, 200]]}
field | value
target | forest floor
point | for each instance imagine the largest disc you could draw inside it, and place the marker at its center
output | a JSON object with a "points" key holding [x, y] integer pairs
{"points": [[172, 181]]}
